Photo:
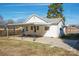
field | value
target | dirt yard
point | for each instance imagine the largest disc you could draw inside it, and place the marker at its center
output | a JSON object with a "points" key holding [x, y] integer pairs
{"points": [[23, 47]]}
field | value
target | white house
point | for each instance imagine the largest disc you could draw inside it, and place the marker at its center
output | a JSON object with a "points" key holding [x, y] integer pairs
{"points": [[42, 26]]}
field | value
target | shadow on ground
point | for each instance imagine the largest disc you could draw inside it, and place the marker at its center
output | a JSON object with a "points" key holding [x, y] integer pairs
{"points": [[72, 40], [32, 36]]}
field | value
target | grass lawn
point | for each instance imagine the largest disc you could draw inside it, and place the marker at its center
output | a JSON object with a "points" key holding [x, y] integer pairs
{"points": [[24, 48]]}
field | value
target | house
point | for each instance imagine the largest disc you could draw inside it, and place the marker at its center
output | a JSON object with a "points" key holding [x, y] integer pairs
{"points": [[72, 29], [42, 26]]}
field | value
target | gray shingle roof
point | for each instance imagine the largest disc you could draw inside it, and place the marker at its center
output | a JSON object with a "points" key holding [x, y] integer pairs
{"points": [[47, 20]]}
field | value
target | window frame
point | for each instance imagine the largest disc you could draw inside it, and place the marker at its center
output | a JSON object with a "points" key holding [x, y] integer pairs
{"points": [[31, 27], [26, 28]]}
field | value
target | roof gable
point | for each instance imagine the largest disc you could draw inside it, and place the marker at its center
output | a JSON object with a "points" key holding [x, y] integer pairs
{"points": [[35, 19]]}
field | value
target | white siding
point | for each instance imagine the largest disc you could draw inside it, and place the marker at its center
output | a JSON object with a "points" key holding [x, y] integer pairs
{"points": [[60, 25], [52, 32]]}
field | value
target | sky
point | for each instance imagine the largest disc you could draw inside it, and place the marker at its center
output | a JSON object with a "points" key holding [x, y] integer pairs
{"points": [[20, 12]]}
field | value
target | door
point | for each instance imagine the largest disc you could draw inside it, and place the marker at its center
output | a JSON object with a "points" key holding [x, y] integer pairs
{"points": [[34, 28]]}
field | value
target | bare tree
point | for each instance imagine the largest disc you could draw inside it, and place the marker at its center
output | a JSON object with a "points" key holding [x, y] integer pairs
{"points": [[10, 21], [2, 22]]}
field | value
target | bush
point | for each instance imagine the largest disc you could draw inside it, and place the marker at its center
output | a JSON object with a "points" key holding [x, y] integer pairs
{"points": [[70, 36]]}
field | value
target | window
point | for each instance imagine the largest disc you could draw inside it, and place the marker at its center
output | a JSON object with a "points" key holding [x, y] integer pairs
{"points": [[46, 28], [26, 28], [31, 27], [37, 27]]}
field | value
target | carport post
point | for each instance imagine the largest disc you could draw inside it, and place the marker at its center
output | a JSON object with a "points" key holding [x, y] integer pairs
{"points": [[7, 32], [34, 33]]}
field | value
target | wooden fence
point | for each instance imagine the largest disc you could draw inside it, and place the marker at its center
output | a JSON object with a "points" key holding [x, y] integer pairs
{"points": [[3, 32]]}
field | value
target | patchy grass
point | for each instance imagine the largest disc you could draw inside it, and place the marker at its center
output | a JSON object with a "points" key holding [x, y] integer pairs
{"points": [[71, 36], [24, 48]]}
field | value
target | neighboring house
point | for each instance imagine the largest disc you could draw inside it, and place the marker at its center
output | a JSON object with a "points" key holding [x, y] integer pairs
{"points": [[42, 26], [72, 29]]}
